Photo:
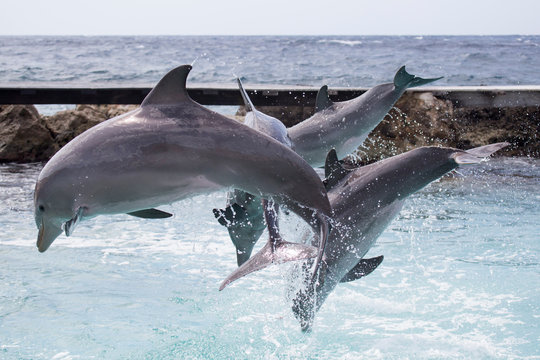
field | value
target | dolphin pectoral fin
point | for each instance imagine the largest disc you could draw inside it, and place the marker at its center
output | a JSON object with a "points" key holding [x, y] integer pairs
{"points": [[323, 99], [150, 214], [403, 79], [271, 253], [70, 225], [478, 154], [231, 215], [333, 170], [363, 268]]}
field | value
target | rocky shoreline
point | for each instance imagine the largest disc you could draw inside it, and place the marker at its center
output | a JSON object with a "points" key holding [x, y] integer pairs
{"points": [[417, 119]]}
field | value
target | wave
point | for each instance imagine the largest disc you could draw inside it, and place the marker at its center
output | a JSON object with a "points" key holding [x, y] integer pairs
{"points": [[341, 42]]}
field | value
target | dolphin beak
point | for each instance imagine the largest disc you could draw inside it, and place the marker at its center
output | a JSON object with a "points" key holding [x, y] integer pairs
{"points": [[46, 236]]}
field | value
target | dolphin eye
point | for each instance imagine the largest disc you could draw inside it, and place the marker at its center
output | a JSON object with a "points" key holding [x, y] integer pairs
{"points": [[41, 208]]}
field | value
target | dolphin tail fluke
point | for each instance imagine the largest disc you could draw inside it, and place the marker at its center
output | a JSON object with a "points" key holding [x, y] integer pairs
{"points": [[230, 215], [403, 79], [247, 101], [272, 253], [478, 154], [487, 150]]}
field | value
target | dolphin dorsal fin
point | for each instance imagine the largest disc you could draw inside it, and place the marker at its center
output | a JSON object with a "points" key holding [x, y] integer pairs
{"points": [[363, 268], [333, 170], [171, 89], [323, 99], [403, 79], [247, 101]]}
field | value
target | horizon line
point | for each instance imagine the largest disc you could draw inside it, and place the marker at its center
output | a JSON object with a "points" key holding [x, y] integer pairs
{"points": [[273, 35]]}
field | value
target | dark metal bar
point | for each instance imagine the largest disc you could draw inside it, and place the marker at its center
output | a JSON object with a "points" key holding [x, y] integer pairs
{"points": [[203, 95], [265, 95]]}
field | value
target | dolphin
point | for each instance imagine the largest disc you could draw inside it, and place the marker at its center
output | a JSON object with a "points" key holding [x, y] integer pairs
{"points": [[244, 215], [344, 126], [169, 149], [365, 200], [246, 210], [312, 139]]}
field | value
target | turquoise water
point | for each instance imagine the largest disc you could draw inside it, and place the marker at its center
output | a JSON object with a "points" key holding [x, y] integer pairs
{"points": [[460, 279]]}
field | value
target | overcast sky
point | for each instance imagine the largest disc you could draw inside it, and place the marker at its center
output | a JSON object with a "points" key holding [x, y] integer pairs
{"points": [[270, 17]]}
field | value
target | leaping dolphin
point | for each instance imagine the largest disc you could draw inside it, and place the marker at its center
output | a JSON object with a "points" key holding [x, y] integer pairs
{"points": [[245, 210], [365, 201], [243, 217], [345, 125], [169, 149]]}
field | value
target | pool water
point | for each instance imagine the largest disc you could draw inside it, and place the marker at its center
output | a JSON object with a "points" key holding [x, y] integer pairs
{"points": [[460, 279]]}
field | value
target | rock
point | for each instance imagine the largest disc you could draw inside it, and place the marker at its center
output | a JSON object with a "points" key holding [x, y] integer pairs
{"points": [[23, 135], [520, 126], [420, 119], [417, 119], [111, 111], [67, 124]]}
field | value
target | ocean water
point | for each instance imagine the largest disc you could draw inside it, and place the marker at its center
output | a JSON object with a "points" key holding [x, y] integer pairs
{"points": [[461, 272], [356, 61], [459, 280], [337, 61]]}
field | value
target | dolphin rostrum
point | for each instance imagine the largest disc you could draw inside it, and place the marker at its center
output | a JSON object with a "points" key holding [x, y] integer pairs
{"points": [[365, 201], [243, 210], [169, 149], [345, 125]]}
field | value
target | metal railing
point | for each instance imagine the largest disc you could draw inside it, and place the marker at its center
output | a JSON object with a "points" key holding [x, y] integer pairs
{"points": [[265, 95]]}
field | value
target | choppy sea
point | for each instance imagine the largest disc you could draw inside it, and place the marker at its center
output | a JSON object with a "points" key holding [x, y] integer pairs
{"points": [[461, 274], [357, 61]]}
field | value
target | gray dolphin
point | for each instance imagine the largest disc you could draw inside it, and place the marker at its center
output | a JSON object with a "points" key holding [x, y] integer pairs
{"points": [[169, 149], [243, 217], [312, 139], [365, 201], [345, 125], [245, 210]]}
